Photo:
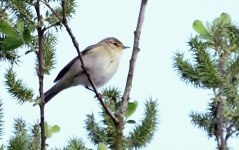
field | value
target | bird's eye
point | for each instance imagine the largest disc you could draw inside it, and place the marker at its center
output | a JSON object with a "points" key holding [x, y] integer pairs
{"points": [[116, 44]]}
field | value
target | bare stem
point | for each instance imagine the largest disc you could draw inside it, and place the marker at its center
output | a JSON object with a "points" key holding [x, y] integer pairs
{"points": [[63, 19], [41, 74], [136, 49], [220, 116], [125, 98], [220, 124]]}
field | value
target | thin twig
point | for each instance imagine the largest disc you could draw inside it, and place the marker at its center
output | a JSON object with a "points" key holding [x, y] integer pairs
{"points": [[50, 26], [136, 49], [41, 74], [229, 132], [125, 98], [228, 135], [76, 45]]}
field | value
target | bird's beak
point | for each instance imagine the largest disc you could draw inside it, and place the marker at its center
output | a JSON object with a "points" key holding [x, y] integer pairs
{"points": [[124, 47]]}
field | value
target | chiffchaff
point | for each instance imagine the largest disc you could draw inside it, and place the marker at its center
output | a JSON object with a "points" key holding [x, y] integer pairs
{"points": [[101, 61]]}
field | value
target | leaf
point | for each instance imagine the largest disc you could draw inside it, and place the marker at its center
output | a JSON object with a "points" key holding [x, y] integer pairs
{"points": [[50, 130], [20, 26], [26, 36], [131, 108], [199, 27], [47, 129], [55, 129], [216, 21], [131, 121], [11, 43], [47, 13], [225, 18], [7, 29], [31, 27], [102, 146]]}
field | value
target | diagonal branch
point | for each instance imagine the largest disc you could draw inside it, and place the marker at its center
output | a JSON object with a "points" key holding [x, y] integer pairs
{"points": [[136, 49], [120, 126], [63, 19]]}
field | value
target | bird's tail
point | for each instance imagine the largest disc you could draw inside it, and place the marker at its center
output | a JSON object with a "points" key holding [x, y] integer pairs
{"points": [[48, 95]]}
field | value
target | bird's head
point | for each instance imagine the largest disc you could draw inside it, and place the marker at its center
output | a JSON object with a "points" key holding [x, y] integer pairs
{"points": [[113, 44]]}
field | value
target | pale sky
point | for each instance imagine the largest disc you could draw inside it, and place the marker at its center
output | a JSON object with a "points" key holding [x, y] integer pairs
{"points": [[167, 28]]}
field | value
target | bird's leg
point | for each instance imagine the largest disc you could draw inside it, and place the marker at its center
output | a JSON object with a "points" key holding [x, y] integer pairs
{"points": [[87, 87]]}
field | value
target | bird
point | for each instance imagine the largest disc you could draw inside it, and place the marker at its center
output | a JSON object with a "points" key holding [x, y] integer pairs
{"points": [[101, 61]]}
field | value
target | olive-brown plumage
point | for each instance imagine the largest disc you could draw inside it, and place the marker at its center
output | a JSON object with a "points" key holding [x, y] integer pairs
{"points": [[101, 60]]}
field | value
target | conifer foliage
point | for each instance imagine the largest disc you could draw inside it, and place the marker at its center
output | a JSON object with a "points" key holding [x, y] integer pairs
{"points": [[215, 66], [104, 131]]}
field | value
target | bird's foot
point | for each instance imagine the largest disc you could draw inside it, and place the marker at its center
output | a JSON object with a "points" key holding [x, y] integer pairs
{"points": [[87, 87], [97, 96]]}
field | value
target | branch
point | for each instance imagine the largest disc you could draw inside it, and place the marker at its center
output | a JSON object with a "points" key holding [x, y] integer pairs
{"points": [[40, 72], [228, 135], [230, 132], [219, 106], [48, 27], [76, 45], [125, 98], [136, 49]]}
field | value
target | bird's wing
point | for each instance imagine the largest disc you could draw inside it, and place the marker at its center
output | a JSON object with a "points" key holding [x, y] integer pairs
{"points": [[65, 69], [88, 49], [68, 66]]}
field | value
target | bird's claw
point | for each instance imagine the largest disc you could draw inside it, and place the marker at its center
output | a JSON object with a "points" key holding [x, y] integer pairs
{"points": [[87, 87]]}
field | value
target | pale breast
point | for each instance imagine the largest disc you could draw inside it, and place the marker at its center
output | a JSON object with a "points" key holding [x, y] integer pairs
{"points": [[103, 67], [104, 70]]}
